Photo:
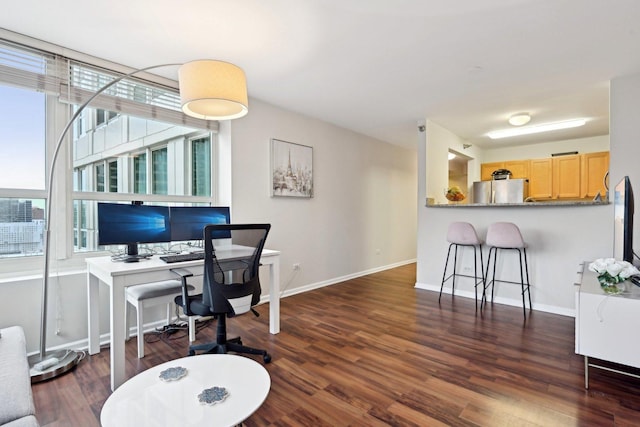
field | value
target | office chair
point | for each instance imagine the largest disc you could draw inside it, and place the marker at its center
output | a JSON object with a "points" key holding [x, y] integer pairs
{"points": [[231, 283]]}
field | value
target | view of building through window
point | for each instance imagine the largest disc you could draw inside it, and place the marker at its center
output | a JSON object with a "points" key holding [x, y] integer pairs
{"points": [[142, 156], [111, 152]]}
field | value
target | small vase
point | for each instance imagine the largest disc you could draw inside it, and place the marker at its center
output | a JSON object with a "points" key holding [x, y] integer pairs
{"points": [[611, 288]]}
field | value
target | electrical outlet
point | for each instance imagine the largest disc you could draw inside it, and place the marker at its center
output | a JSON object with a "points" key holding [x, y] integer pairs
{"points": [[467, 269], [296, 266]]}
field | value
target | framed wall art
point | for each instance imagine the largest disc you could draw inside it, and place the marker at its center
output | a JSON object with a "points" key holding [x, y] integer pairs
{"points": [[291, 169]]}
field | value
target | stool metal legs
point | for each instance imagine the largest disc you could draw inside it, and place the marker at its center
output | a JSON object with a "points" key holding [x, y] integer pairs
{"points": [[477, 279], [524, 276]]}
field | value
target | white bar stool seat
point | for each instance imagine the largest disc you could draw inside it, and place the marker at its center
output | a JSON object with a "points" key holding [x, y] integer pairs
{"points": [[463, 234], [507, 236], [149, 295]]}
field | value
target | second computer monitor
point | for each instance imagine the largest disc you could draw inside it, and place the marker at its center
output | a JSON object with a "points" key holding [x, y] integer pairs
{"points": [[187, 222]]}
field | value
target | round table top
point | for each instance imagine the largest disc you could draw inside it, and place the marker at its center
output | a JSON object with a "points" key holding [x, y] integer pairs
{"points": [[148, 400]]}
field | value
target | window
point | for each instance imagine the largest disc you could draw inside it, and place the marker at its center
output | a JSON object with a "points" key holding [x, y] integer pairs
{"points": [[21, 227], [134, 142], [100, 177], [201, 167], [140, 173], [22, 120], [113, 176], [103, 116], [159, 171]]}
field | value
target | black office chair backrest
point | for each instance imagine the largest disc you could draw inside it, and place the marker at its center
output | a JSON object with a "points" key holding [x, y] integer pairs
{"points": [[231, 264]]}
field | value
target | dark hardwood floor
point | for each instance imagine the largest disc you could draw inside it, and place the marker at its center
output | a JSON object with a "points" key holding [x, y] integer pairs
{"points": [[375, 351]]}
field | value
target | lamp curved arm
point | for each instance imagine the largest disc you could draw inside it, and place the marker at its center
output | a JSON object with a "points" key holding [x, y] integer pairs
{"points": [[49, 201]]}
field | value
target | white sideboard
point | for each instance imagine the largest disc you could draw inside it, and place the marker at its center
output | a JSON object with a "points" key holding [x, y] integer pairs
{"points": [[607, 326]]}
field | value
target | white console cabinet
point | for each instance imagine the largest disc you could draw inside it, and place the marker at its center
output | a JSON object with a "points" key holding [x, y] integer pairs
{"points": [[606, 325]]}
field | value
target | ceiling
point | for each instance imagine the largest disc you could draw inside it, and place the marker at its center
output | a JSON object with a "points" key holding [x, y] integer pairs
{"points": [[377, 67]]}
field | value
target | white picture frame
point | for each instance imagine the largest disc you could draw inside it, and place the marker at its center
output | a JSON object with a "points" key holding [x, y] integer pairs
{"points": [[291, 169]]}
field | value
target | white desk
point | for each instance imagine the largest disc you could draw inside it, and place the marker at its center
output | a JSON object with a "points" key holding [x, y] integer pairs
{"points": [[119, 275], [606, 324], [146, 400]]}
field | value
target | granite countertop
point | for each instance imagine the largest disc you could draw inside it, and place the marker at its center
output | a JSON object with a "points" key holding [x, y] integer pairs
{"points": [[522, 204]]}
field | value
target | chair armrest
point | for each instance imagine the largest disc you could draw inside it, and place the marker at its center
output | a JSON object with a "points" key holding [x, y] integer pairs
{"points": [[183, 273]]}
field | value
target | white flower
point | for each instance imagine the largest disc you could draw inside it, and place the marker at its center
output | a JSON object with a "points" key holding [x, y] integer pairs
{"points": [[614, 268]]}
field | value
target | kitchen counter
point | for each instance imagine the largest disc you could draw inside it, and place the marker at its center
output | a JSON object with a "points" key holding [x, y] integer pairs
{"points": [[522, 204]]}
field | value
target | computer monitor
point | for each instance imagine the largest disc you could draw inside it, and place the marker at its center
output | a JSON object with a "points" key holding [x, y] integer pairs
{"points": [[187, 222], [130, 224]]}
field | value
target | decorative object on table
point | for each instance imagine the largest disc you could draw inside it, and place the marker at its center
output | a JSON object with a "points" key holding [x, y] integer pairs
{"points": [[173, 374], [213, 395], [291, 169], [612, 273], [454, 194]]}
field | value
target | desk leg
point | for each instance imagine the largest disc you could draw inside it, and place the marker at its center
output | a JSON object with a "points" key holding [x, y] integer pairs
{"points": [[586, 372], [93, 313], [118, 305], [274, 296]]}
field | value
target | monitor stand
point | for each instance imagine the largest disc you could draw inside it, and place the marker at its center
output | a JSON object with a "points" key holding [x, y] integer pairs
{"points": [[132, 253]]}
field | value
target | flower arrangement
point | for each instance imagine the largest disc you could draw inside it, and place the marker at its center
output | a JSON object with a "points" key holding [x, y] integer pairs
{"points": [[611, 272], [454, 194]]}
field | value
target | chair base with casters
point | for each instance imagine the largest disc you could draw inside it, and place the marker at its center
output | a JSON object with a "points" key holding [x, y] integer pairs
{"points": [[463, 234], [505, 236], [222, 345], [149, 295]]}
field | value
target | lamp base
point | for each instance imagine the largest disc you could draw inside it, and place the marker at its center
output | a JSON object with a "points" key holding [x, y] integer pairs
{"points": [[54, 363]]}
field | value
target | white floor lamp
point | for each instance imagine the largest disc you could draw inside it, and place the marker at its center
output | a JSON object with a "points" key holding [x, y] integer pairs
{"points": [[209, 90]]}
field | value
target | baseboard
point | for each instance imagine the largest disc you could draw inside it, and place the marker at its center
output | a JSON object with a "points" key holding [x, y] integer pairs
{"points": [[336, 280], [563, 311], [83, 345]]}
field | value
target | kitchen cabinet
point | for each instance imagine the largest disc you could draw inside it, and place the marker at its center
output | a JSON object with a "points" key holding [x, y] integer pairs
{"points": [[486, 169], [579, 176], [594, 169], [519, 169], [540, 179], [566, 176]]}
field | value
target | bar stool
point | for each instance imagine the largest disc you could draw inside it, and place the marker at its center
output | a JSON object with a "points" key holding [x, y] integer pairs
{"points": [[463, 234], [507, 236], [149, 295]]}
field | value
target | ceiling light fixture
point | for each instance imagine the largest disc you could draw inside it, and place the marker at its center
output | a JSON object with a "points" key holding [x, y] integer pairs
{"points": [[452, 156], [544, 127], [519, 119]]}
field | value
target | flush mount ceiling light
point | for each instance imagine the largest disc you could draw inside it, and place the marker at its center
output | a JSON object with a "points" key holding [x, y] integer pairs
{"points": [[519, 119], [544, 127], [452, 156]]}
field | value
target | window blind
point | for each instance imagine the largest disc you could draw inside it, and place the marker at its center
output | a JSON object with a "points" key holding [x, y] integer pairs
{"points": [[28, 68], [75, 82]]}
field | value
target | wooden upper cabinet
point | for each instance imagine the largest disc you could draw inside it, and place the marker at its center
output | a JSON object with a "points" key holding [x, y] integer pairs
{"points": [[578, 176], [486, 169], [566, 176], [594, 168], [519, 168], [540, 179]]}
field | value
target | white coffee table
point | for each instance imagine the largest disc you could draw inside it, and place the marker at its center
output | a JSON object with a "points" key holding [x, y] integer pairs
{"points": [[147, 400]]}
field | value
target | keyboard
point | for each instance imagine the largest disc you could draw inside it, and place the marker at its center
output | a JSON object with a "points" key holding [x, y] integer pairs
{"points": [[191, 256]]}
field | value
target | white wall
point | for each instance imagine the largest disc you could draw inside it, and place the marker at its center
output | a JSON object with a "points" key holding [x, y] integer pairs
{"points": [[364, 201], [362, 215], [559, 237], [543, 150]]}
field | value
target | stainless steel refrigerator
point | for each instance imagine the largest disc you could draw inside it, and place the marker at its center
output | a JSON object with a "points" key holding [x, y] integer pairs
{"points": [[501, 191]]}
